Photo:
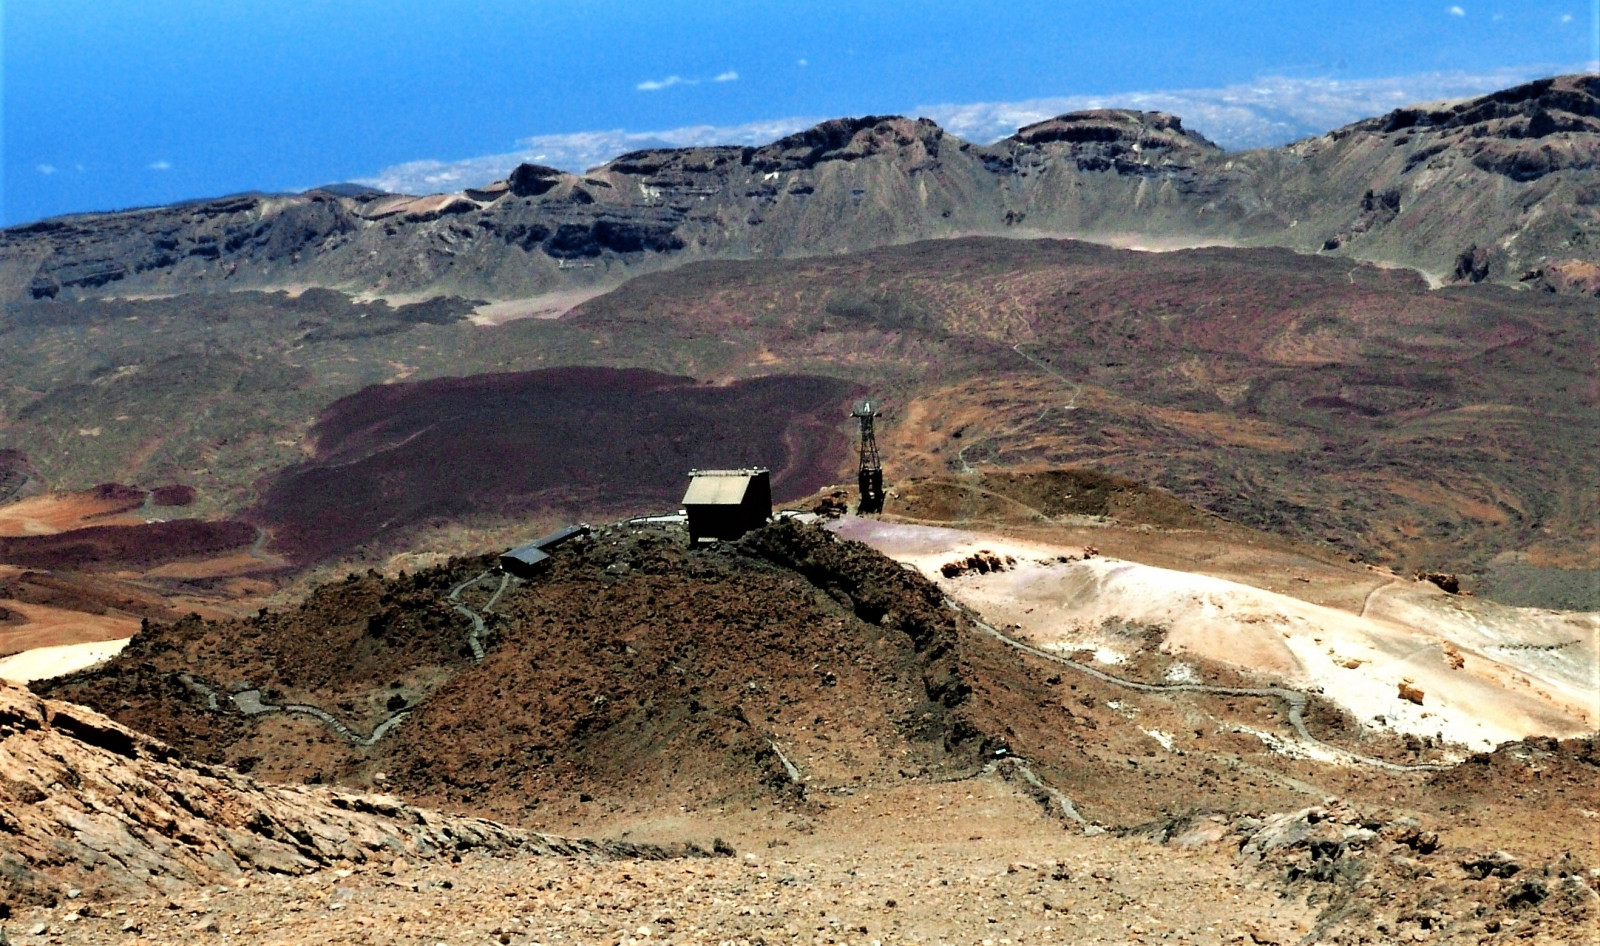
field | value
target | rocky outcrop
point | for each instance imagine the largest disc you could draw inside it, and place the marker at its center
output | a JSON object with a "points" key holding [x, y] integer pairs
{"points": [[532, 180], [848, 139], [1120, 140], [1570, 277], [1396, 878], [88, 805], [1523, 133]]}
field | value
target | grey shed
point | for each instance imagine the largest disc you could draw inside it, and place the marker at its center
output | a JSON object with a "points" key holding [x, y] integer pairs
{"points": [[725, 504], [525, 561]]}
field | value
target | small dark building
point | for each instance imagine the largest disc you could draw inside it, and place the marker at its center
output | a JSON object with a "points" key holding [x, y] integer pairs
{"points": [[528, 560], [725, 504]]}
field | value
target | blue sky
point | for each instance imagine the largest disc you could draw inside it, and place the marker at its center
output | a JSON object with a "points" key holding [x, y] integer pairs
{"points": [[117, 103]]}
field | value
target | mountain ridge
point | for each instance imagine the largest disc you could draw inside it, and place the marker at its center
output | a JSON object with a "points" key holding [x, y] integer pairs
{"points": [[1503, 188]]}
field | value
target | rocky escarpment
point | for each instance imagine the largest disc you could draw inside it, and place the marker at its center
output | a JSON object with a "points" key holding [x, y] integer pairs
{"points": [[1499, 187], [1391, 876], [89, 806], [1127, 142], [1514, 176], [1523, 133]]}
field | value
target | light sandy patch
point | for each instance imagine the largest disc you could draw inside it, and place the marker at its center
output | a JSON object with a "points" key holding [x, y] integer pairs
{"points": [[1488, 673], [226, 566], [45, 626], [551, 305], [45, 662], [1151, 243], [60, 512]]}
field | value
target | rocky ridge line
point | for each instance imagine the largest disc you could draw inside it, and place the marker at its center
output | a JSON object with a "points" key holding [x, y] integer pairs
{"points": [[1498, 188]]}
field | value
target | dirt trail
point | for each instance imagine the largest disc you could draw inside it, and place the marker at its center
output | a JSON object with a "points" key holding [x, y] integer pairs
{"points": [[1366, 603], [1070, 405], [250, 702], [1295, 699], [475, 638]]}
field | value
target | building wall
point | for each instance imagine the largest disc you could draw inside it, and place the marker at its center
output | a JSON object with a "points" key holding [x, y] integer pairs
{"points": [[730, 521]]}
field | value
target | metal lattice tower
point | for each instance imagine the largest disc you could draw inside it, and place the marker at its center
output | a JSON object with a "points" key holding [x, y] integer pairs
{"points": [[869, 475]]}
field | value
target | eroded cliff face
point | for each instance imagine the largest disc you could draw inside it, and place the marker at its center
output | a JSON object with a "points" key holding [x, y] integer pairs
{"points": [[1511, 176], [1498, 188]]}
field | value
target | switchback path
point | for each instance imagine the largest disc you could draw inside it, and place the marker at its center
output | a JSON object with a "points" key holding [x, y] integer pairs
{"points": [[1295, 699], [250, 703], [475, 638]]}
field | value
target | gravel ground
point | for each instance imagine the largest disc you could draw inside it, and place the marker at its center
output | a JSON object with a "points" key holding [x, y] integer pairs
{"points": [[968, 862]]}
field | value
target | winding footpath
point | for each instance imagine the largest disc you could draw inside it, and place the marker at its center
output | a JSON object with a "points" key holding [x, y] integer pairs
{"points": [[1070, 405], [1295, 699], [250, 703], [479, 631]]}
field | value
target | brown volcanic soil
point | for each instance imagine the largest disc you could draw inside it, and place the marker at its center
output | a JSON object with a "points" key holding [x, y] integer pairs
{"points": [[639, 673], [640, 686], [60, 512], [1043, 496], [635, 671], [1335, 402], [589, 441]]}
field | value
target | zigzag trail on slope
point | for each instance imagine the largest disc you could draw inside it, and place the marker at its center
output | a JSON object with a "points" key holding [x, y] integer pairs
{"points": [[250, 702], [1488, 673]]}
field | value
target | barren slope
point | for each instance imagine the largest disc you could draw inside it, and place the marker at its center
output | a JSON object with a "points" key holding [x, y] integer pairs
{"points": [[641, 687]]}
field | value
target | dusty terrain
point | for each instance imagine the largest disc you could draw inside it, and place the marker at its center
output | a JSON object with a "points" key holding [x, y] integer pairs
{"points": [[1478, 674], [1136, 653], [1442, 430], [97, 811], [1348, 406], [80, 571], [643, 691], [968, 862]]}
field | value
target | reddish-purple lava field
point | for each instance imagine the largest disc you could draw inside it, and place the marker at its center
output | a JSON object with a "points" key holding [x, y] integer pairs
{"points": [[126, 546], [578, 441]]}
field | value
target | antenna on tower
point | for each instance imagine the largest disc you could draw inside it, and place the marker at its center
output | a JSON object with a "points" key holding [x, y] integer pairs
{"points": [[869, 476]]}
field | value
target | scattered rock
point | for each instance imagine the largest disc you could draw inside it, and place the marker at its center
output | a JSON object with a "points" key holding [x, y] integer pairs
{"points": [[1499, 864], [982, 562], [1449, 583], [92, 809]]}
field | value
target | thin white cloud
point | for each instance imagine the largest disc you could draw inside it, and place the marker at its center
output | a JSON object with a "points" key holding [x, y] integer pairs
{"points": [[161, 166], [656, 85], [1566, 18], [802, 62], [729, 76], [1457, 11], [45, 169], [1264, 113]]}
